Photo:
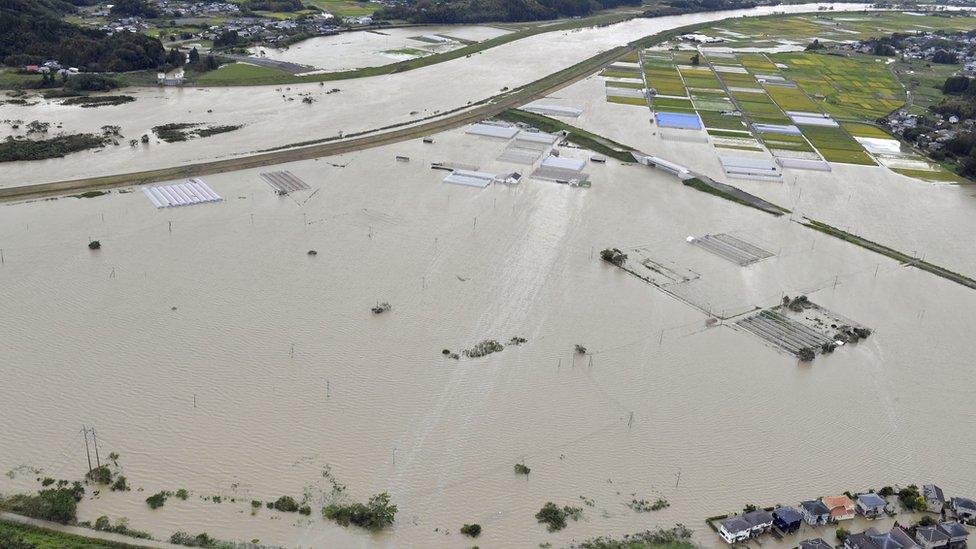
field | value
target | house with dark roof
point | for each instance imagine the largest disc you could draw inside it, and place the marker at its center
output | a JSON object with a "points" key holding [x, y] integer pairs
{"points": [[934, 498], [815, 512], [747, 525], [964, 508], [871, 538], [787, 519], [956, 533], [817, 543], [760, 520], [735, 529], [930, 537], [870, 505]]}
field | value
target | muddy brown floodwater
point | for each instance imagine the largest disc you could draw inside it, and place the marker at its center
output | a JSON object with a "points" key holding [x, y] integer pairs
{"points": [[291, 372]]}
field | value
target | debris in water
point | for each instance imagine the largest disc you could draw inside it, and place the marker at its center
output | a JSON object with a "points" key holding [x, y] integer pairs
{"points": [[381, 308], [312, 252], [580, 350], [94, 245]]}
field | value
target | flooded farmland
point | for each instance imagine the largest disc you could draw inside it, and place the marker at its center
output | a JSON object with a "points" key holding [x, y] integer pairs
{"points": [[353, 50], [215, 355], [275, 116]]}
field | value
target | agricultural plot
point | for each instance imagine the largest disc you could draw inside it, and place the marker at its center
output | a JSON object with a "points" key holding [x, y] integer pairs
{"points": [[855, 88], [732, 248], [836, 145]]}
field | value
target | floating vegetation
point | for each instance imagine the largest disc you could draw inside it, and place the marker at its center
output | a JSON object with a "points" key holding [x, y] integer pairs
{"points": [[174, 132], [87, 102], [471, 530], [554, 517], [375, 515], [644, 506], [614, 256], [486, 347], [517, 341], [522, 469], [381, 308]]}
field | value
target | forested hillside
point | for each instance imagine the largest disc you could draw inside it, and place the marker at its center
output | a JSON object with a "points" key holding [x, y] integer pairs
{"points": [[475, 11], [32, 31]]}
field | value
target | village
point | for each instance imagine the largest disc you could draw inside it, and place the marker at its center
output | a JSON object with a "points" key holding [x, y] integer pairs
{"points": [[948, 531]]}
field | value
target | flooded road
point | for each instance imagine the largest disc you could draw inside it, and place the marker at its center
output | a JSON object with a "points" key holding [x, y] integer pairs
{"points": [[214, 354], [275, 116]]}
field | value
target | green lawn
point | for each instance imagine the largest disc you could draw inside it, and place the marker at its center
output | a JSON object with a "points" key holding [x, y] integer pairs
{"points": [[627, 100], [237, 74], [48, 539]]}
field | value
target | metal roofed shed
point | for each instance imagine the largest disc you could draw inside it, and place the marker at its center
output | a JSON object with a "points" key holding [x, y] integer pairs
{"points": [[744, 167], [811, 119], [469, 178], [678, 120], [562, 170], [194, 191], [492, 130], [779, 129], [555, 110], [284, 182]]}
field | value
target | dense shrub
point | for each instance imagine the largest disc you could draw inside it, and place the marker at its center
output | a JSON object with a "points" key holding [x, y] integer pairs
{"points": [[286, 504], [157, 500], [554, 517], [471, 530], [376, 514]]}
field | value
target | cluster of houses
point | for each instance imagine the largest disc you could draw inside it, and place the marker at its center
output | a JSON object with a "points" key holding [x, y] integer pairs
{"points": [[835, 509], [50, 67], [925, 45]]}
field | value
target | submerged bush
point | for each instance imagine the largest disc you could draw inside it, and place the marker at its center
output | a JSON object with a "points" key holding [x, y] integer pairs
{"points": [[102, 474], [554, 517], [120, 484], [286, 504], [521, 469], [54, 504], [471, 530], [156, 500], [375, 515]]}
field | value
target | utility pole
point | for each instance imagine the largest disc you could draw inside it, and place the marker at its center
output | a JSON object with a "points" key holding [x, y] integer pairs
{"points": [[98, 460], [84, 431], [678, 479]]}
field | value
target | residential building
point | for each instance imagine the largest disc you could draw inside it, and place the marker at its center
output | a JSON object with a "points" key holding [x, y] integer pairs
{"points": [[734, 530], [964, 508], [871, 538], [841, 507], [930, 537], [742, 527], [787, 519], [817, 543], [956, 534], [815, 512], [934, 498], [870, 505], [760, 520]]}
